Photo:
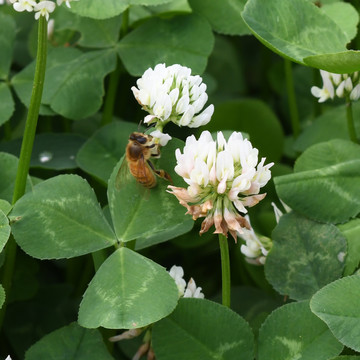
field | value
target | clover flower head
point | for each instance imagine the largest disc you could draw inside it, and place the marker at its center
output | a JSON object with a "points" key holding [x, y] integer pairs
{"points": [[44, 8], [8, 357], [256, 247], [341, 85], [173, 94], [223, 177], [24, 5], [189, 290], [67, 2]]}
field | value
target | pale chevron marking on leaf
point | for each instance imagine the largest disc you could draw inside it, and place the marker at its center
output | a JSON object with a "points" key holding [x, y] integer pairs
{"points": [[293, 346], [65, 203], [327, 174], [117, 300], [225, 347]]}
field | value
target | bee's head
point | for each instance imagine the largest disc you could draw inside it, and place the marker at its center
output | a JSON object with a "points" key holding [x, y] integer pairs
{"points": [[140, 138]]}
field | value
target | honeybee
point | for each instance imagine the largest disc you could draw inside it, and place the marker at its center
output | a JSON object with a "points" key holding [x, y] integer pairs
{"points": [[139, 150]]}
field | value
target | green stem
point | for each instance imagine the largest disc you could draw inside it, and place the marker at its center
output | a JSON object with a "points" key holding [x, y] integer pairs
{"points": [[33, 113], [25, 153], [124, 23], [114, 78], [131, 244], [225, 269], [317, 110], [7, 131], [7, 273], [98, 258], [108, 110], [350, 121], [294, 114]]}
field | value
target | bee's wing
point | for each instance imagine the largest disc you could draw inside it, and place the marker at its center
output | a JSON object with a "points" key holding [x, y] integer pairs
{"points": [[123, 175]]}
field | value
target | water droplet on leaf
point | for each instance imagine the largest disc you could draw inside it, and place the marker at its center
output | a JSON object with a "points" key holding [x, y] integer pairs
{"points": [[45, 156]]}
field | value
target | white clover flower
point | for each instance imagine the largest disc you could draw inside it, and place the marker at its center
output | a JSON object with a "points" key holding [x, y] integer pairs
{"points": [[192, 291], [67, 2], [177, 273], [173, 94], [44, 8], [223, 178], [256, 247], [341, 85], [328, 88], [8, 357], [160, 138], [189, 290], [23, 5]]}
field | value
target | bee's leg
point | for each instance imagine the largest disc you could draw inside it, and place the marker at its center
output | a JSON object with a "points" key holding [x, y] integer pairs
{"points": [[161, 173]]}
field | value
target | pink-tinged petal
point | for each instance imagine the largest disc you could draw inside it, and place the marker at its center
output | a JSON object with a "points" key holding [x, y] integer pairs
{"points": [[126, 335], [180, 193], [218, 219], [252, 200], [231, 220], [206, 224]]}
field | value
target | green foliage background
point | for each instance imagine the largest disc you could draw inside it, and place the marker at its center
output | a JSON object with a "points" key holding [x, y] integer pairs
{"points": [[74, 286]]}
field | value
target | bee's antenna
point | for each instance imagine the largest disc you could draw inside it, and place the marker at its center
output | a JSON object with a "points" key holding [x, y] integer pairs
{"points": [[139, 125]]}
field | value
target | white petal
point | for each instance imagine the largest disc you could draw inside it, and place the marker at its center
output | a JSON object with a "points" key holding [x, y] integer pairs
{"points": [[348, 84], [316, 91], [355, 93], [182, 104], [160, 137], [340, 89], [19, 7], [149, 119], [174, 95], [200, 102], [221, 142], [203, 118], [187, 116]]}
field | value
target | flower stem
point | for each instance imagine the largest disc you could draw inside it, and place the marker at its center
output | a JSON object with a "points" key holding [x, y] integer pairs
{"points": [[33, 112], [114, 78], [317, 110], [294, 114], [225, 269], [98, 258], [350, 121], [7, 131], [111, 95], [25, 153]]}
